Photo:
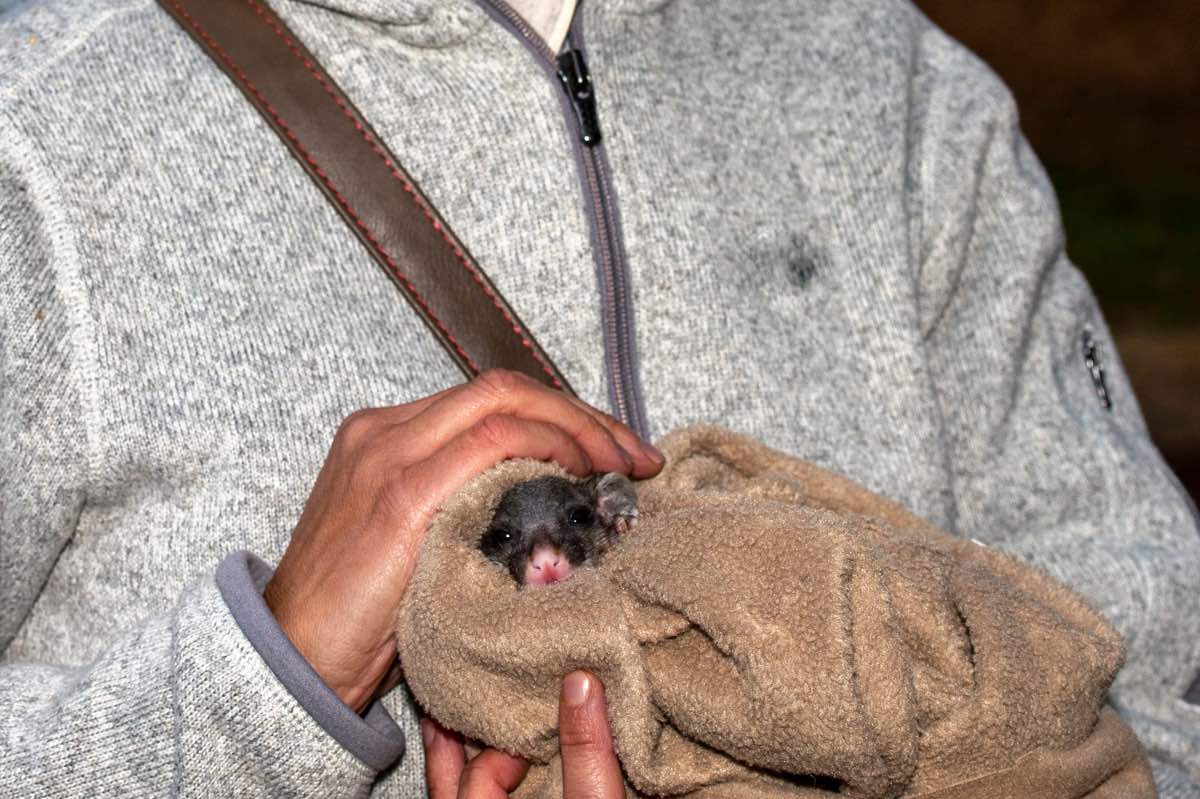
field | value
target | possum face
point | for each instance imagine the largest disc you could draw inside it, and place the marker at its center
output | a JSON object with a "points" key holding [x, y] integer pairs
{"points": [[545, 528]]}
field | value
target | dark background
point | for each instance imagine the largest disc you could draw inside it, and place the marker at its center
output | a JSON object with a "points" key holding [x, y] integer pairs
{"points": [[1109, 92]]}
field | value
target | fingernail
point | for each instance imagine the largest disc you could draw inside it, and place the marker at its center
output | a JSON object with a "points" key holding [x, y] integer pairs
{"points": [[428, 731], [575, 688], [653, 454]]}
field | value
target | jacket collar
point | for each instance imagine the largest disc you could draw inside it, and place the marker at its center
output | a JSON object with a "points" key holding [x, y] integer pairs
{"points": [[445, 12], [397, 12]]}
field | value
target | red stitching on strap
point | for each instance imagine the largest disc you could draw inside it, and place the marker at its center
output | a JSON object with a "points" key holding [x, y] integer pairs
{"points": [[408, 187], [391, 262]]}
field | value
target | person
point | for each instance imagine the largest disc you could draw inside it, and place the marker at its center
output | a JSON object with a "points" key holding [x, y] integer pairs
{"points": [[813, 223]]}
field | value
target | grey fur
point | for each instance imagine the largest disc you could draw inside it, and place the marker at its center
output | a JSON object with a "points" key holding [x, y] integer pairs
{"points": [[580, 519]]}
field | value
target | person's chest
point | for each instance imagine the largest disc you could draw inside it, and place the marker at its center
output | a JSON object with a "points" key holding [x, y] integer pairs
{"points": [[238, 321]]}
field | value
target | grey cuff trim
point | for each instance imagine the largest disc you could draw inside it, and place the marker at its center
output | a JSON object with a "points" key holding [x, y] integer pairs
{"points": [[374, 738]]}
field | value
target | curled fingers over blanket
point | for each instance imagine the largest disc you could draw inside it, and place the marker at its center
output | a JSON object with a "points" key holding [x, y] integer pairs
{"points": [[773, 629]]}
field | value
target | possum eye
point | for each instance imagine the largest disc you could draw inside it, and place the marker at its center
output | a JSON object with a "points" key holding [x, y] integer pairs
{"points": [[580, 515], [497, 536]]}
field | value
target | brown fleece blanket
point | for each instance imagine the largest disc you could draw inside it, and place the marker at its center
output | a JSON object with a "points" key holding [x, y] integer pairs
{"points": [[770, 629]]}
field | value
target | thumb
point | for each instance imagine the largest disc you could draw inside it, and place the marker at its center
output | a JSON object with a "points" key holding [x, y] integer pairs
{"points": [[590, 767]]}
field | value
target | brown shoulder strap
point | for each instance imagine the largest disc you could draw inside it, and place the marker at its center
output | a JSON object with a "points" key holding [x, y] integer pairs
{"points": [[366, 184]]}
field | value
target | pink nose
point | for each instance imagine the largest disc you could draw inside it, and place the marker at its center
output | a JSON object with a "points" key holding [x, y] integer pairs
{"points": [[546, 565]]}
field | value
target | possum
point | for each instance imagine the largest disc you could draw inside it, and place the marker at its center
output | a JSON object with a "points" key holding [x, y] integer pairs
{"points": [[545, 528]]}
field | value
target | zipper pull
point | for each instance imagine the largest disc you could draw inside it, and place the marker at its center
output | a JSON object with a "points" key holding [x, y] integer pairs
{"points": [[577, 81]]}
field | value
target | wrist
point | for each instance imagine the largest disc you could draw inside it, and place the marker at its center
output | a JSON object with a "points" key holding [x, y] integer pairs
{"points": [[353, 677], [373, 737]]}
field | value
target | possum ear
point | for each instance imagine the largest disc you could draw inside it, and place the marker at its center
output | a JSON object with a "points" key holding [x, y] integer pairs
{"points": [[616, 501]]}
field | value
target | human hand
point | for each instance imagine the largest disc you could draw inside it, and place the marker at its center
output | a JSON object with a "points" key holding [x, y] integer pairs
{"points": [[590, 767], [340, 582]]}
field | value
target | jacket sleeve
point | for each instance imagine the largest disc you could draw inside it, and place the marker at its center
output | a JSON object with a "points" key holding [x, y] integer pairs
{"points": [[1050, 457], [204, 697]]}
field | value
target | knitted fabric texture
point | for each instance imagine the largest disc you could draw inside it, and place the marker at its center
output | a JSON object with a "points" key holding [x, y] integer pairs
{"points": [[901, 661], [839, 243]]}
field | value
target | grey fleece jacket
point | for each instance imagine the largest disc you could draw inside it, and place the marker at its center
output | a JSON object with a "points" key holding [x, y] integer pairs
{"points": [[837, 241]]}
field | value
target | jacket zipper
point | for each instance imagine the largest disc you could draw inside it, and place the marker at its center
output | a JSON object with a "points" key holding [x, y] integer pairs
{"points": [[569, 70]]}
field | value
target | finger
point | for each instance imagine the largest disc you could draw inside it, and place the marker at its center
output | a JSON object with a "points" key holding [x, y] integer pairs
{"points": [[445, 760], [514, 394], [398, 414], [590, 767], [648, 461], [485, 444], [492, 775]]}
